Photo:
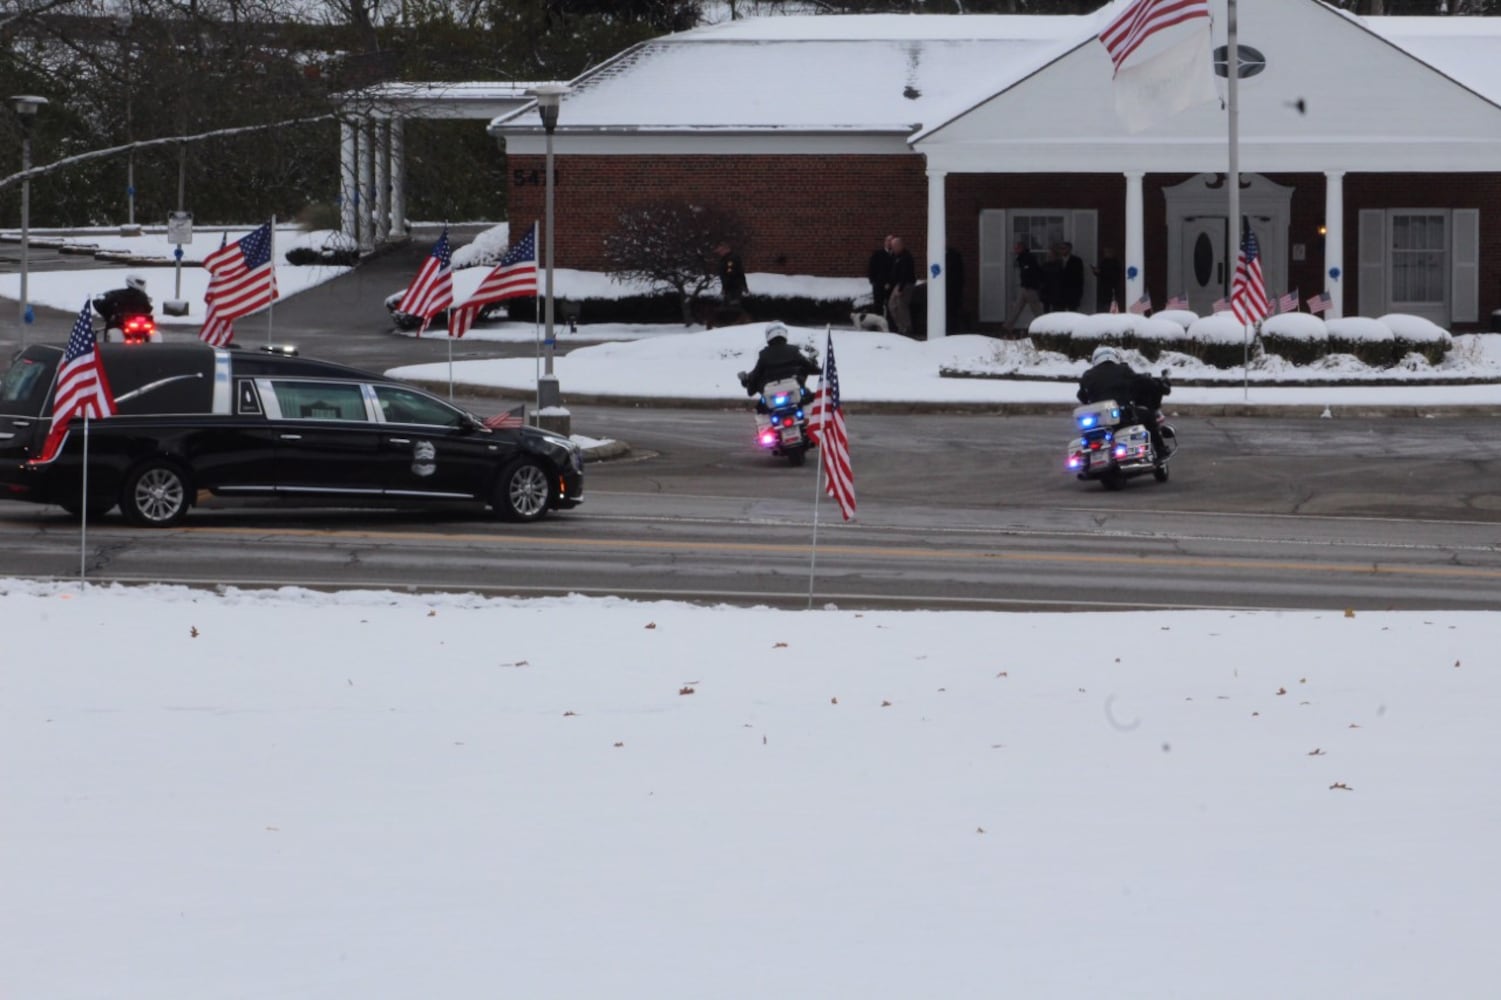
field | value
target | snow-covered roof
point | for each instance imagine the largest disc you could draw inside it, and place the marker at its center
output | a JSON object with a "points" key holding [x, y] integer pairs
{"points": [[1462, 48], [889, 73], [823, 73]]}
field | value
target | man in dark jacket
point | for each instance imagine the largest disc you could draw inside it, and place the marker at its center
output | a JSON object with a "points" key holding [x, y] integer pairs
{"points": [[903, 280], [1072, 290], [1111, 378], [131, 300], [732, 284], [878, 270], [1029, 286], [777, 360]]}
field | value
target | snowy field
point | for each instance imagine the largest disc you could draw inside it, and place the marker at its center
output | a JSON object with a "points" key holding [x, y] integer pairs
{"points": [[398, 797]]}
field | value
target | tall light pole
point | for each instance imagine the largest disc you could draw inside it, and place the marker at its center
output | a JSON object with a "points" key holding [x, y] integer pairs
{"points": [[26, 108], [549, 97]]}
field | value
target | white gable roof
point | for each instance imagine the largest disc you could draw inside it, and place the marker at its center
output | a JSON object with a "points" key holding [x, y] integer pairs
{"points": [[1465, 48]]}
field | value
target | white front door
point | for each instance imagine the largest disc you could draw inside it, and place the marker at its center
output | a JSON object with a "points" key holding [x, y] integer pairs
{"points": [[1205, 268]]}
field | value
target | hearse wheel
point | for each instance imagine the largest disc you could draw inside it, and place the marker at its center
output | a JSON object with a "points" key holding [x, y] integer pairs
{"points": [[523, 491], [156, 494]]}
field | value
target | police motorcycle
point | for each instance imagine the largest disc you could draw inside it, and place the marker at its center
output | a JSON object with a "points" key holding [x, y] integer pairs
{"points": [[1115, 444], [127, 314], [782, 419]]}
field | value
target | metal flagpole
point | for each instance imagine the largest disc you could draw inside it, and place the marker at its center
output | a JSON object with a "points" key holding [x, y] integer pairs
{"points": [[450, 352], [83, 506], [270, 306], [1232, 85], [823, 421]]}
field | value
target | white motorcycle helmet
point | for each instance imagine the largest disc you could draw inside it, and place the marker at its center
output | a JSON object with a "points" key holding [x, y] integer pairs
{"points": [[135, 281], [775, 330], [1105, 353]]}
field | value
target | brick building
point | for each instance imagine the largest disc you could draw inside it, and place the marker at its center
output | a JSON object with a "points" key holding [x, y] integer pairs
{"points": [[1369, 153]]}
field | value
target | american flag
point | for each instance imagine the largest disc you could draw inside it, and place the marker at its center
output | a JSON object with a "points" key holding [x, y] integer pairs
{"points": [[1141, 306], [514, 417], [513, 278], [218, 329], [1247, 289], [826, 427], [432, 290], [1320, 302], [243, 276], [1114, 307], [81, 390], [1288, 302], [1143, 19], [1177, 302], [1220, 306]]}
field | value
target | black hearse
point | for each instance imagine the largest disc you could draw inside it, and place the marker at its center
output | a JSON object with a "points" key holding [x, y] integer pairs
{"points": [[242, 422]]}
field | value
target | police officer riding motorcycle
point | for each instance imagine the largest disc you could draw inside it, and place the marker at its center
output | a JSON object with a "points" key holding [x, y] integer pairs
{"points": [[127, 312], [779, 383]]}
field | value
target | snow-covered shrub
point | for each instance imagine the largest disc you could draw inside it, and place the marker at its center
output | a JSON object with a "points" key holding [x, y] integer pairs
{"points": [[1054, 331], [1076, 335], [1183, 317], [1370, 340], [1218, 340], [1416, 335], [1300, 338], [486, 249]]}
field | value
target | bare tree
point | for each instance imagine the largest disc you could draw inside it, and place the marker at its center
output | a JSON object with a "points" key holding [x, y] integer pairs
{"points": [[670, 246]]}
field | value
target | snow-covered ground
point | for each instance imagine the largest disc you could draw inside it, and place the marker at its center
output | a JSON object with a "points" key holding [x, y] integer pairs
{"points": [[382, 796]]}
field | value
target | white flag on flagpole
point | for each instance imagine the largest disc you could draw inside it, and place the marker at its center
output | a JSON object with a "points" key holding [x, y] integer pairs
{"points": [[1161, 51]]}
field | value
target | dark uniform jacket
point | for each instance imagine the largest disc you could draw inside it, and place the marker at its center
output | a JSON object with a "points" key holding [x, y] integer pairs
{"points": [[122, 302], [1115, 380], [778, 360]]}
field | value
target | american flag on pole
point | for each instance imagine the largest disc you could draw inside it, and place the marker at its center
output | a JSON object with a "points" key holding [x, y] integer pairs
{"points": [[513, 278], [1114, 307], [1169, 75], [432, 290], [1177, 302], [1247, 290], [242, 276], [1220, 306], [1288, 302], [1141, 306], [82, 388], [218, 329], [514, 417], [1320, 302], [826, 427]]}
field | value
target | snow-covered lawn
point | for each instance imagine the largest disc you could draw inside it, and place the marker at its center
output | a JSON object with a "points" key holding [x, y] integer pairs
{"points": [[381, 796]]}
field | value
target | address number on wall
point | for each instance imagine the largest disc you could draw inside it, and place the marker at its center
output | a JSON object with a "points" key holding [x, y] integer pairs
{"points": [[532, 178]]}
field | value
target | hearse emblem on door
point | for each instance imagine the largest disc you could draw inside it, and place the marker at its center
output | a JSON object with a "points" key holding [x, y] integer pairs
{"points": [[424, 458]]}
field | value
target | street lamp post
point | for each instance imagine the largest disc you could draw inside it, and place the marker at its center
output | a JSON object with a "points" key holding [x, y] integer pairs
{"points": [[26, 108], [549, 97]]}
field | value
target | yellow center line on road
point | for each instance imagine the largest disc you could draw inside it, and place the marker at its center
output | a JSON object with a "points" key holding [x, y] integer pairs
{"points": [[880, 551]]}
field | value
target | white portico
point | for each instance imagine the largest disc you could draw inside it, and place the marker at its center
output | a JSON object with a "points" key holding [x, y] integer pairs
{"points": [[372, 150]]}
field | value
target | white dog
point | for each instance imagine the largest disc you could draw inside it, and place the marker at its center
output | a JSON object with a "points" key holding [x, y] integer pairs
{"points": [[874, 322]]}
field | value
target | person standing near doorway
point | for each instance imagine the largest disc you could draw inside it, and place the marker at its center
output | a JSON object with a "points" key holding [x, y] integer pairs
{"points": [[1028, 287], [903, 281], [1109, 278], [878, 270], [732, 284]]}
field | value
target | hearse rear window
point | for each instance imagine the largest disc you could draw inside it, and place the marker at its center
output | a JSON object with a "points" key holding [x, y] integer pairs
{"points": [[319, 400]]}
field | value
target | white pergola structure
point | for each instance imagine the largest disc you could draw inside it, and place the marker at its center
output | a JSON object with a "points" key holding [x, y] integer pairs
{"points": [[372, 149]]}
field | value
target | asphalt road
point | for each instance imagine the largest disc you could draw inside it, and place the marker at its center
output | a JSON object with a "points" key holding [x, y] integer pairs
{"points": [[955, 511]]}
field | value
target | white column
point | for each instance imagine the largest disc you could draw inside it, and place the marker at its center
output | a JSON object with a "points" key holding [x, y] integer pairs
{"points": [[364, 201], [1334, 242], [1136, 244], [382, 180], [348, 182], [938, 242], [398, 180]]}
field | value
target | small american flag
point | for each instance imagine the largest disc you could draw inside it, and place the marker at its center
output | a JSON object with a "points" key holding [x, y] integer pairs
{"points": [[432, 290], [1248, 290], [513, 278], [1142, 20], [1142, 306], [1177, 302], [826, 427], [1288, 302], [1320, 302], [1114, 307], [82, 388], [514, 417], [242, 276], [1220, 306]]}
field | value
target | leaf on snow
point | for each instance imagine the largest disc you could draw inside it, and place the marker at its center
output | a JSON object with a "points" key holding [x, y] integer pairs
{"points": [[1341, 786], [685, 689], [193, 632]]}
